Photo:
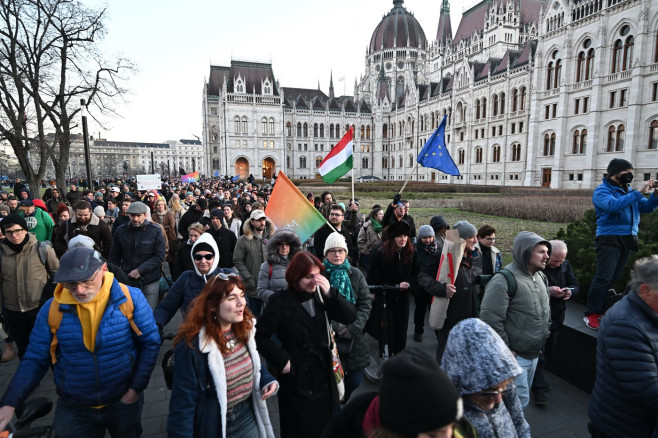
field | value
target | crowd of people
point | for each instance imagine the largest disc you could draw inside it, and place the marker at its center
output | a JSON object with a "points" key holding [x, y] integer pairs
{"points": [[84, 292]]}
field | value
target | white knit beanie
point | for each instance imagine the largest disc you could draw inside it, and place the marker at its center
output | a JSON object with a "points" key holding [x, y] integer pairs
{"points": [[335, 240]]}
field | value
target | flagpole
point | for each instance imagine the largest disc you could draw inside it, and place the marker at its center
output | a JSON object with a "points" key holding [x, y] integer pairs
{"points": [[352, 165], [408, 178]]}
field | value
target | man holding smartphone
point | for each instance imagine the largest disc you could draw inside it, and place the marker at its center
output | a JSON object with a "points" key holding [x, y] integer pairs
{"points": [[562, 285]]}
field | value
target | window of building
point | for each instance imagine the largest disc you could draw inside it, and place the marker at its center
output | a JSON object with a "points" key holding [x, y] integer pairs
{"points": [[368, 132], [496, 154], [237, 125], [239, 86], [267, 89], [576, 106], [461, 136], [612, 99], [547, 112], [622, 51], [477, 111], [271, 126], [554, 71], [549, 145], [522, 99], [400, 162], [299, 129], [264, 123], [318, 161], [554, 110], [493, 131], [515, 99], [305, 129], [305, 147], [245, 127], [302, 162], [500, 130], [288, 129], [616, 138], [653, 135], [502, 103], [623, 95], [478, 154], [461, 154], [299, 147], [213, 110], [585, 104], [494, 105], [321, 130], [516, 152], [654, 91], [513, 128], [384, 162]]}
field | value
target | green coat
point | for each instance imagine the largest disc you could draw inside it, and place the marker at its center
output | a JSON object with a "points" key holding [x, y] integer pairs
{"points": [[40, 224]]}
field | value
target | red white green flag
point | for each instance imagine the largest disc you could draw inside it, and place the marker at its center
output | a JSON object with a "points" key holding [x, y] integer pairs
{"points": [[339, 160]]}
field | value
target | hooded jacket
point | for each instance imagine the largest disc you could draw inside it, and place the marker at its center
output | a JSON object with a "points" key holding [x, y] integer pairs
{"points": [[249, 254], [476, 359], [188, 286], [120, 360], [523, 321], [618, 211], [271, 283]]}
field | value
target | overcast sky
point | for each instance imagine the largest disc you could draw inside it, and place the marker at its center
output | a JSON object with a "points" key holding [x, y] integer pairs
{"points": [[174, 44]]}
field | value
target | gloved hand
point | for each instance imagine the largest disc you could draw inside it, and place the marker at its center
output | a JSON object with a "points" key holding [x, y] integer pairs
{"points": [[397, 198]]}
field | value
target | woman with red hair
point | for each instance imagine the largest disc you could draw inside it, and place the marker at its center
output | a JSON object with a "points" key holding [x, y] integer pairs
{"points": [[219, 385], [302, 358]]}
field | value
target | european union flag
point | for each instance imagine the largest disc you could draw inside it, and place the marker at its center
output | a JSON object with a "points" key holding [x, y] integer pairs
{"points": [[235, 178], [435, 154], [215, 173]]}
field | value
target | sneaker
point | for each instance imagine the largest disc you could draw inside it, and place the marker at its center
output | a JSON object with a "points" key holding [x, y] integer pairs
{"points": [[540, 398], [9, 353], [592, 321], [418, 337]]}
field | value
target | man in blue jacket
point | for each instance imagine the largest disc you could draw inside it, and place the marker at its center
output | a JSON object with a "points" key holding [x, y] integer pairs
{"points": [[618, 209], [139, 248], [624, 400], [102, 360]]}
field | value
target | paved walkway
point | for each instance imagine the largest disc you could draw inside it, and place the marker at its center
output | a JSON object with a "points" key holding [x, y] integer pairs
{"points": [[564, 417]]}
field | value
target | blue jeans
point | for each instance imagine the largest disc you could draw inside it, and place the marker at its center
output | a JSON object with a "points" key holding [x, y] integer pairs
{"points": [[255, 305], [523, 382], [119, 419], [241, 421], [610, 263]]}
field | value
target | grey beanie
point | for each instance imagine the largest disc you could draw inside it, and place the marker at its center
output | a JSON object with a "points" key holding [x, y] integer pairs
{"points": [[425, 231], [466, 229]]}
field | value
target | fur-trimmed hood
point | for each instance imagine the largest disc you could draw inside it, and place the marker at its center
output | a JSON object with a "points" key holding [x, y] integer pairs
{"points": [[279, 237], [248, 230]]}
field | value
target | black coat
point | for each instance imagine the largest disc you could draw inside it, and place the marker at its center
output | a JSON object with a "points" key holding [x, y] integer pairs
{"points": [[561, 276], [141, 248], [305, 397], [321, 237], [191, 216], [226, 241]]}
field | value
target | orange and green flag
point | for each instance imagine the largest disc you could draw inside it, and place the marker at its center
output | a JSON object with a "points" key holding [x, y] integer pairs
{"points": [[288, 208]]}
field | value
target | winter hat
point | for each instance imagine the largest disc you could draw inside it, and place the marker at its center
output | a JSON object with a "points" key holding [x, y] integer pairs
{"points": [[61, 208], [202, 203], [415, 395], [617, 165], [203, 246], [5, 208], [12, 219], [99, 211], [398, 229], [425, 231], [476, 357], [217, 213], [335, 240], [466, 229], [137, 208], [437, 222], [82, 241], [26, 203]]}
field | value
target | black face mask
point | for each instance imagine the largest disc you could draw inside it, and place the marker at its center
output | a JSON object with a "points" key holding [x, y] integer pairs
{"points": [[626, 178]]}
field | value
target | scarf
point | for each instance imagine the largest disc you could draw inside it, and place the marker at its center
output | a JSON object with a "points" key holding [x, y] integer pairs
{"points": [[429, 249], [376, 226], [339, 279]]}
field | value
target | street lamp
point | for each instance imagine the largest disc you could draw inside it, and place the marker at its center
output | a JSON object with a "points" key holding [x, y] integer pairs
{"points": [[83, 110]]}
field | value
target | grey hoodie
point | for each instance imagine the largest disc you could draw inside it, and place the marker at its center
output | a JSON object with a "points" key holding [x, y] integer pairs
{"points": [[476, 359], [524, 320]]}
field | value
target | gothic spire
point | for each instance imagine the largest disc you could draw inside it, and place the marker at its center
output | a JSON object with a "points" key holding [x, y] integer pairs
{"points": [[444, 31], [331, 85]]}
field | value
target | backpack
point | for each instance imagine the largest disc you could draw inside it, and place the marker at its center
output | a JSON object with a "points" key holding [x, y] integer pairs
{"points": [[55, 319]]}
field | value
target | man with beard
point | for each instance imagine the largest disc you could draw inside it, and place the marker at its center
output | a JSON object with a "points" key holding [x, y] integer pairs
{"points": [[336, 218], [249, 254], [85, 223], [38, 221], [139, 248]]}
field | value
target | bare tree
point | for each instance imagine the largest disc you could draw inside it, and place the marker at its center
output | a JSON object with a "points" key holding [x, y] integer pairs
{"points": [[49, 61]]}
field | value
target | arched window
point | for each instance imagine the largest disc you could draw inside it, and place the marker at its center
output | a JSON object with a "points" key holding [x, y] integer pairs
{"points": [[385, 130], [611, 139], [621, 138], [364, 162], [522, 99], [516, 152], [347, 128], [264, 126], [549, 75], [302, 162], [267, 89], [515, 100], [576, 142], [653, 135], [363, 131], [484, 107], [299, 129], [502, 103], [460, 156], [554, 71], [628, 52], [411, 161], [237, 124], [245, 127], [331, 130], [583, 141], [392, 162], [552, 148], [478, 154], [239, 86], [368, 132], [400, 161], [305, 129], [321, 130], [496, 154], [459, 111], [288, 130], [433, 120], [271, 126], [315, 130], [384, 162], [616, 56], [589, 70], [580, 67], [318, 161], [549, 145], [477, 111]]}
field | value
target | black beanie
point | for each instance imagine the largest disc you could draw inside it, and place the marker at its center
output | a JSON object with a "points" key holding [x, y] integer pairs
{"points": [[415, 395], [202, 203], [617, 165], [12, 219], [203, 246]]}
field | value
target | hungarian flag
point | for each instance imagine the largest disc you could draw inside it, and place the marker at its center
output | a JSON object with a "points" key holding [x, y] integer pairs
{"points": [[339, 160], [288, 208]]}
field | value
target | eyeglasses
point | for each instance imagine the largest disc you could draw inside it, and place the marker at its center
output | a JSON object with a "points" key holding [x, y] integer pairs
{"points": [[14, 232], [335, 214], [490, 239], [494, 394], [85, 284], [336, 251], [199, 257]]}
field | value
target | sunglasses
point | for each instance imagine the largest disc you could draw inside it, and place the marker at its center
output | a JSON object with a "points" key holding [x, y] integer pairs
{"points": [[493, 394], [223, 277], [199, 257]]}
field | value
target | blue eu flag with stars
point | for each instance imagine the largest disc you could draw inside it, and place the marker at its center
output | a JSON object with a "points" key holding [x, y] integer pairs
{"points": [[435, 154]]}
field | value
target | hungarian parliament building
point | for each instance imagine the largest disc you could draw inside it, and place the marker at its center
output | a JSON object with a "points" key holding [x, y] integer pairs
{"points": [[536, 93]]}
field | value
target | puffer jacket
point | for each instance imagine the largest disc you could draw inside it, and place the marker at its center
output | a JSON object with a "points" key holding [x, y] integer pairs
{"points": [[188, 286], [272, 273], [98, 230], [368, 238], [359, 357], [524, 320], [624, 402], [617, 211], [23, 276], [476, 359], [121, 360], [249, 254], [141, 248]]}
